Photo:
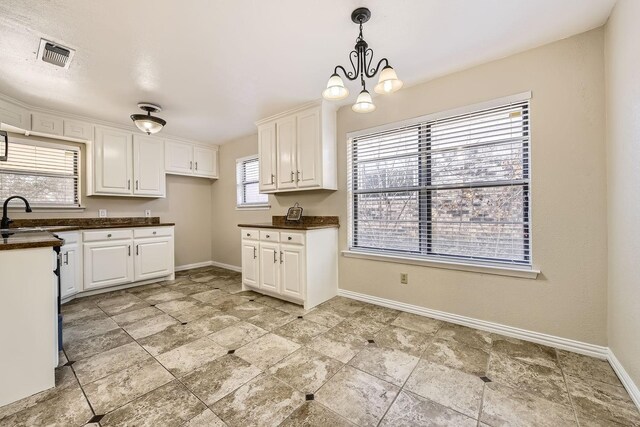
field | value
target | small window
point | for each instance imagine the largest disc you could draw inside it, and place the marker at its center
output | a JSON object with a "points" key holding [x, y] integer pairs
{"points": [[48, 175], [453, 188], [247, 177]]}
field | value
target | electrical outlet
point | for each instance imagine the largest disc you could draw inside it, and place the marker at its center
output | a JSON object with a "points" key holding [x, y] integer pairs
{"points": [[147, 213], [404, 278], [102, 213]]}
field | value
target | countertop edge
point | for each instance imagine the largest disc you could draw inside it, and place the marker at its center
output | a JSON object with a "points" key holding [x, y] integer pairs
{"points": [[289, 227]]}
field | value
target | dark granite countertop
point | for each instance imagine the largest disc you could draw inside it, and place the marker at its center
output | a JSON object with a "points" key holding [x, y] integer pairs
{"points": [[305, 223], [35, 233], [289, 226], [28, 240]]}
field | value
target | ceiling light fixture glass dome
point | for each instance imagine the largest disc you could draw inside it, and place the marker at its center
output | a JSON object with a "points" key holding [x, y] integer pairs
{"points": [[147, 123], [335, 89], [363, 104], [388, 81]]}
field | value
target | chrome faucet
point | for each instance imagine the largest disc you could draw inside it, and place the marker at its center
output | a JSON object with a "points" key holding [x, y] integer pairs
{"points": [[6, 221]]}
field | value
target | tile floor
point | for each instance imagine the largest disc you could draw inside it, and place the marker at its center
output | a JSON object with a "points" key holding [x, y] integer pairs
{"points": [[198, 351]]}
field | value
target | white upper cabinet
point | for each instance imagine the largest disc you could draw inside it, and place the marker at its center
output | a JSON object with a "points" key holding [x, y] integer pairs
{"points": [[148, 166], [304, 149], [113, 161], [267, 152], [126, 165], [14, 115], [183, 158]]}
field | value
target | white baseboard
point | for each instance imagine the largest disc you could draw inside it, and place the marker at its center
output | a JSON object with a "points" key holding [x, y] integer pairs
{"points": [[194, 265], [227, 266], [537, 337], [626, 380]]}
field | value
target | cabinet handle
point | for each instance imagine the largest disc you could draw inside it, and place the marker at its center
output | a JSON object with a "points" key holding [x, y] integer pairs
{"points": [[280, 257], [66, 258], [137, 251], [275, 259], [291, 176], [255, 255], [136, 184], [128, 184], [190, 165], [129, 249], [297, 176], [273, 177], [196, 165]]}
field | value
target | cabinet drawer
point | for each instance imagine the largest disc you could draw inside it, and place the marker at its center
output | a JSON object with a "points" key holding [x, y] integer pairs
{"points": [[295, 238], [250, 234], [92, 236], [269, 235], [151, 232]]}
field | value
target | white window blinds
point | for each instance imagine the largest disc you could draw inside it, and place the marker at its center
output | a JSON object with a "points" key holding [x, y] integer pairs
{"points": [[247, 178], [451, 188], [45, 174]]}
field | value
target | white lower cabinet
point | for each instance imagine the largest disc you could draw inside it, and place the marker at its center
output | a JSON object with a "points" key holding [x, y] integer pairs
{"points": [[122, 256], [107, 263], [154, 258], [303, 268], [70, 265]]}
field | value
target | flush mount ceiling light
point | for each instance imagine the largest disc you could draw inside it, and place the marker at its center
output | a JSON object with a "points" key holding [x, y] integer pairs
{"points": [[361, 58], [148, 123]]}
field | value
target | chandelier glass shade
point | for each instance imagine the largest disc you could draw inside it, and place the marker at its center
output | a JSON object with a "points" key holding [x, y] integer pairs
{"points": [[361, 59]]}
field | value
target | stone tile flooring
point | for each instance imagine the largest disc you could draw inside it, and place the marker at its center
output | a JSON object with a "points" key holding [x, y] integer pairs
{"points": [[198, 351]]}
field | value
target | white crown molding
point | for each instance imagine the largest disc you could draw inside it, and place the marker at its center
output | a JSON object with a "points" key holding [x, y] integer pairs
{"points": [[92, 120]]}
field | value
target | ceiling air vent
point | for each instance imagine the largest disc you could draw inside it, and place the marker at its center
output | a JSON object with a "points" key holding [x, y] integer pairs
{"points": [[55, 54]]}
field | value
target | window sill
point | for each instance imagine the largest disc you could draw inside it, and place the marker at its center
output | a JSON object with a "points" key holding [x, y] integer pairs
{"points": [[253, 207], [522, 272]]}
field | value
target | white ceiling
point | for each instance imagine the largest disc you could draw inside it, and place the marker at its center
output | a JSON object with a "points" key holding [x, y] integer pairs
{"points": [[218, 66]]}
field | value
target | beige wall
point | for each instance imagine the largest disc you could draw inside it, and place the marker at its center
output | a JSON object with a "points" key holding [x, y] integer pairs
{"points": [[188, 205], [623, 177], [568, 195]]}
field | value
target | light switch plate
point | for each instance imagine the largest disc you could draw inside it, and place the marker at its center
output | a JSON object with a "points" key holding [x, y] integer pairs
{"points": [[147, 213], [102, 213]]}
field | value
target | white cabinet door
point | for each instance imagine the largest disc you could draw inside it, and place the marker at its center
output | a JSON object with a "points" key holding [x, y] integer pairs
{"points": [[205, 162], [107, 263], [309, 149], [286, 139], [153, 258], [250, 263], [69, 270], [178, 157], [267, 150], [292, 271], [269, 267], [148, 166], [113, 161]]}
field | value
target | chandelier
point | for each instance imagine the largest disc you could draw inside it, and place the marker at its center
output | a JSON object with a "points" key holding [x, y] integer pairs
{"points": [[361, 58]]}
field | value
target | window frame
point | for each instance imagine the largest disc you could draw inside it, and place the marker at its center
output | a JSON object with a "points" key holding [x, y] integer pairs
{"points": [[241, 187], [425, 254], [63, 145]]}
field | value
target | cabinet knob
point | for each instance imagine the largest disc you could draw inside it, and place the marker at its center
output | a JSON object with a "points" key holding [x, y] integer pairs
{"points": [[289, 238], [155, 232], [109, 235], [248, 234], [268, 236]]}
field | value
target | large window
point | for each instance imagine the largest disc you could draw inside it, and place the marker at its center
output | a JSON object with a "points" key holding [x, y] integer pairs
{"points": [[452, 188], [248, 185], [46, 174]]}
